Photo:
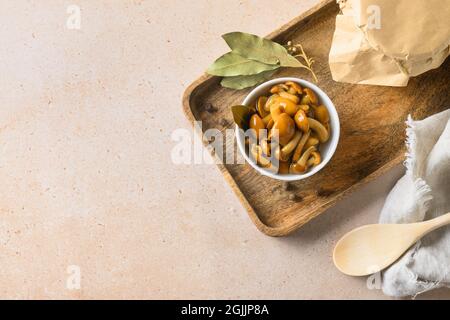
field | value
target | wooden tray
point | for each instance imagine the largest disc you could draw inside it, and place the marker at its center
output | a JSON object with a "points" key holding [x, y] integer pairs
{"points": [[372, 128]]}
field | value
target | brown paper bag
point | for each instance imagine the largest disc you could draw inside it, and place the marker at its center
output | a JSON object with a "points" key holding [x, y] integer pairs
{"points": [[385, 42]]}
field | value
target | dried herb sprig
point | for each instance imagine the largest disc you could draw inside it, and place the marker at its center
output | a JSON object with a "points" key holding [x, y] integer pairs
{"points": [[297, 51]]}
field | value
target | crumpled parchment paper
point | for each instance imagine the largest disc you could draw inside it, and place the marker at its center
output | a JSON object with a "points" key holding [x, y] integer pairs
{"points": [[386, 42]]}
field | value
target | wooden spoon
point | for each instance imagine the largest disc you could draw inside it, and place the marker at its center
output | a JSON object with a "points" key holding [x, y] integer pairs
{"points": [[372, 248]]}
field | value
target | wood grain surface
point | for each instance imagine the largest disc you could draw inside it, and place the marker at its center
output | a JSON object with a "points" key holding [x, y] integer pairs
{"points": [[372, 128]]}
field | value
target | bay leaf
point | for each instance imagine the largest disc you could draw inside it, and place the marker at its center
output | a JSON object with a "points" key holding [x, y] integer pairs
{"points": [[241, 115], [256, 48], [242, 82], [232, 64]]}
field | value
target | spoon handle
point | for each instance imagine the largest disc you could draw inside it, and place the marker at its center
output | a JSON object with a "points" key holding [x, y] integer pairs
{"points": [[437, 222]]}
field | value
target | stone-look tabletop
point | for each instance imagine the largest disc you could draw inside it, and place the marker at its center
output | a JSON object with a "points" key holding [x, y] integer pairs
{"points": [[87, 182]]}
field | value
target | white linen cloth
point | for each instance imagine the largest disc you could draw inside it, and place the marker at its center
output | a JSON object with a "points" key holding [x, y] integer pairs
{"points": [[422, 194]]}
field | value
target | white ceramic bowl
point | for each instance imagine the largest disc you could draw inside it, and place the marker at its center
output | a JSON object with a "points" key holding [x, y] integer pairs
{"points": [[326, 149]]}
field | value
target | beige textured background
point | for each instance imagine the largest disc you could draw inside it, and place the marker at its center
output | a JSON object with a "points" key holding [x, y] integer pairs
{"points": [[86, 177]]}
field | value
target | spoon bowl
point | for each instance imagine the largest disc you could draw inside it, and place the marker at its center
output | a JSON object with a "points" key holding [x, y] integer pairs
{"points": [[372, 248]]}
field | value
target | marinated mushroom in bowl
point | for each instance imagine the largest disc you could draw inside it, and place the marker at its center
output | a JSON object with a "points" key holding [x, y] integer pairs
{"points": [[289, 124]]}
